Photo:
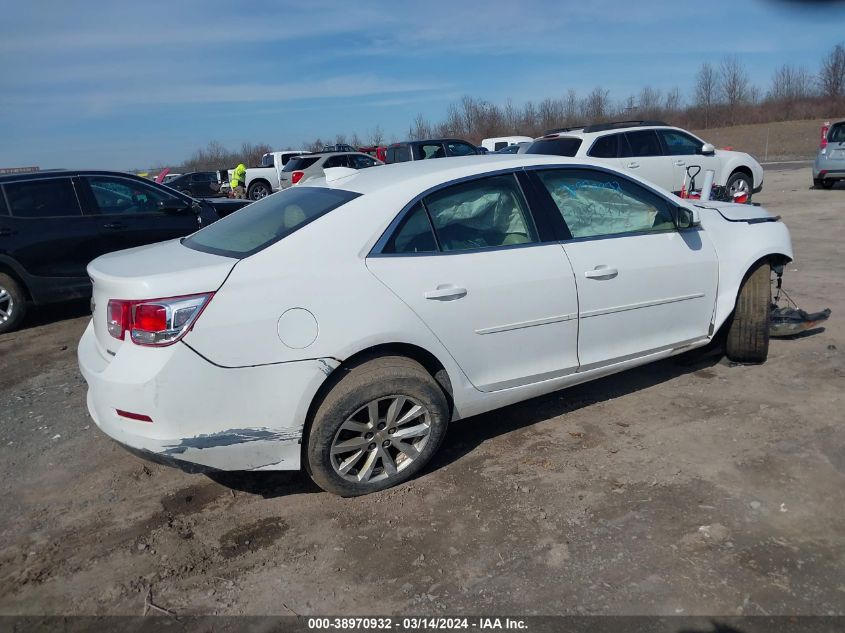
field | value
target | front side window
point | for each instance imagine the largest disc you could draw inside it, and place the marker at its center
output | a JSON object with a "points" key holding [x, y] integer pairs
{"points": [[265, 222], [680, 144], [485, 213], [560, 146], [460, 149], [53, 197], [644, 143], [595, 204], [122, 196]]}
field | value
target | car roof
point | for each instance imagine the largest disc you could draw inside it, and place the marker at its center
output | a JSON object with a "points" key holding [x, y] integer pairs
{"points": [[422, 174], [431, 140], [329, 154], [600, 129], [66, 173]]}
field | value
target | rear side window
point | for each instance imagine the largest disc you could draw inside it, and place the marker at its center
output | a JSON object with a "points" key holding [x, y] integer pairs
{"points": [[605, 147], [644, 143], [429, 150], [54, 197], [298, 163], [485, 213], [267, 160], [415, 235], [265, 222], [561, 146], [336, 161], [836, 133], [399, 154]]}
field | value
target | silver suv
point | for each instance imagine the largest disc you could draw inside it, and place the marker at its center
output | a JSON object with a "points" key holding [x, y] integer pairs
{"points": [[830, 161], [309, 166], [654, 151]]}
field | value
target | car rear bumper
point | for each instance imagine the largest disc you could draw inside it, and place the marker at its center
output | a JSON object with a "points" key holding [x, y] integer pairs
{"points": [[203, 417]]}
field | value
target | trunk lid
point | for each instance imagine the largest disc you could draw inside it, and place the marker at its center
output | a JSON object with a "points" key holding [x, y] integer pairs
{"points": [[155, 271]]}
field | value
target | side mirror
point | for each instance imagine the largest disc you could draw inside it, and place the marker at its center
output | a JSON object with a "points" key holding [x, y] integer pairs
{"points": [[688, 218], [708, 149]]}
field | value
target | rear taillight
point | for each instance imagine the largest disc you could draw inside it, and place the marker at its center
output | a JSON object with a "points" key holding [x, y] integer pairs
{"points": [[155, 322], [296, 176], [823, 139]]}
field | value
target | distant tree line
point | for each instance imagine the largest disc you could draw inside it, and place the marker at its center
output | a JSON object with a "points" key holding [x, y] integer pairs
{"points": [[722, 95]]}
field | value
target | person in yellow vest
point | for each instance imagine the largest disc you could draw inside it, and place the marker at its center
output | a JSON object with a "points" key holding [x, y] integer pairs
{"points": [[238, 181]]}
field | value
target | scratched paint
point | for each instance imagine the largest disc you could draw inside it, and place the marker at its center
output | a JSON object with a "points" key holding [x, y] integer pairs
{"points": [[230, 437]]}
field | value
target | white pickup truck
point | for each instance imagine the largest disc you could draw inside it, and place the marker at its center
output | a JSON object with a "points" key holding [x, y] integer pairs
{"points": [[264, 180]]}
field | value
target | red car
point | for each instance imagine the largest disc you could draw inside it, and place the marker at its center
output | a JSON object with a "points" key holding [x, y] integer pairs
{"points": [[376, 151]]}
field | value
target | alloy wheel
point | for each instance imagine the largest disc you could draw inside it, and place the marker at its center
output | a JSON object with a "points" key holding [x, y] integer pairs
{"points": [[740, 185], [380, 439], [7, 305]]}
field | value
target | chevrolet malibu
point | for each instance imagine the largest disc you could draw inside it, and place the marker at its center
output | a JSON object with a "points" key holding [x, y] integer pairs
{"points": [[342, 325]]}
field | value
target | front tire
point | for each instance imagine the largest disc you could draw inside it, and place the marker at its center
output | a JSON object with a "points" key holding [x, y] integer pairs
{"points": [[376, 428], [748, 333], [12, 304], [739, 182], [258, 190], [828, 184]]}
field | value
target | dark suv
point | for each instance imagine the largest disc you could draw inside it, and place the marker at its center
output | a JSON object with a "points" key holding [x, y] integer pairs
{"points": [[431, 148], [53, 223], [198, 184]]}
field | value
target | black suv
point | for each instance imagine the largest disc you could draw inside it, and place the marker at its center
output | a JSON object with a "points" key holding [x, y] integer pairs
{"points": [[52, 223], [198, 184], [431, 148]]}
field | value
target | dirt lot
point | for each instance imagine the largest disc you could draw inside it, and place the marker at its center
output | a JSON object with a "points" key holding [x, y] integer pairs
{"points": [[787, 140], [674, 488]]}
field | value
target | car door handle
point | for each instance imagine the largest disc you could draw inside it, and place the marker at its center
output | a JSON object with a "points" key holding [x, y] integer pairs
{"points": [[632, 165], [680, 163], [446, 292], [114, 225], [601, 272]]}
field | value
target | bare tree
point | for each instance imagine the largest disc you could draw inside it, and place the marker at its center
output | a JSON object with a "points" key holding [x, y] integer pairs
{"points": [[705, 91], [832, 73], [376, 135], [595, 106], [734, 85], [251, 154], [355, 141], [649, 103], [790, 86], [570, 107], [420, 129], [672, 102]]}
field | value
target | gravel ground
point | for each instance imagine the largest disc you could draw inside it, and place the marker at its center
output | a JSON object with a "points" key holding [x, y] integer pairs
{"points": [[693, 488]]}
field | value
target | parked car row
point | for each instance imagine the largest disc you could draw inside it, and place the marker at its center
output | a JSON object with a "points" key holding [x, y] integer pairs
{"points": [[53, 223]]}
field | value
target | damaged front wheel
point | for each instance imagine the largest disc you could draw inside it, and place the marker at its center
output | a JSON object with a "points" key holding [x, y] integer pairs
{"points": [[748, 333]]}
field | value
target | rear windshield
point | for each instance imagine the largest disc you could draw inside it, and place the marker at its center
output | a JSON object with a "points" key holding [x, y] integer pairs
{"points": [[562, 146], [300, 163], [265, 222], [837, 133]]}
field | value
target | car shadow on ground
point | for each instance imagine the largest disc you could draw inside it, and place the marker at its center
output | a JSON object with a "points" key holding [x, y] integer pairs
{"points": [[465, 436], [53, 313]]}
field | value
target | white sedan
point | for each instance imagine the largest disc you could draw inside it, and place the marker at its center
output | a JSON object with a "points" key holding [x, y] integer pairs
{"points": [[342, 325]]}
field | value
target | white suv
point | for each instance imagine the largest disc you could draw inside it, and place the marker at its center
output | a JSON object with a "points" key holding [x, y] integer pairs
{"points": [[655, 151]]}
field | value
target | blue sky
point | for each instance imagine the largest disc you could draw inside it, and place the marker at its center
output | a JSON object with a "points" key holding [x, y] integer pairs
{"points": [[125, 85]]}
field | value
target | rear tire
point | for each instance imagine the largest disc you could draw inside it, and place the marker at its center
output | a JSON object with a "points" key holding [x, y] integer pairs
{"points": [[748, 333], [377, 427], [258, 190], [828, 184], [739, 182], [12, 304]]}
